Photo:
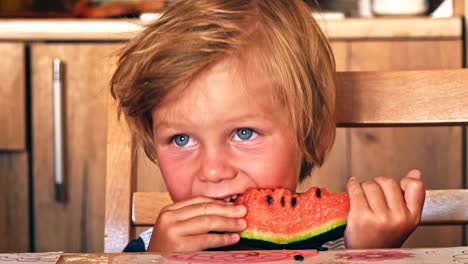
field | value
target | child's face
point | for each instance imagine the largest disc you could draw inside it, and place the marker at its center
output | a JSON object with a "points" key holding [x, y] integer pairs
{"points": [[222, 136]]}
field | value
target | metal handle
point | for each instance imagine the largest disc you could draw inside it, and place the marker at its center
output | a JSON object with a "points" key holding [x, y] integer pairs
{"points": [[58, 131]]}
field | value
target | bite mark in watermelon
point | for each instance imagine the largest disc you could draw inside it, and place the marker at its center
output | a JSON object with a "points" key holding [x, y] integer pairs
{"points": [[277, 218]]}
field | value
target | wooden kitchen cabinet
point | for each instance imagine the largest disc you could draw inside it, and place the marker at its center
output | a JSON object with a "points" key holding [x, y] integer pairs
{"points": [[76, 225], [14, 168], [14, 201], [12, 97]]}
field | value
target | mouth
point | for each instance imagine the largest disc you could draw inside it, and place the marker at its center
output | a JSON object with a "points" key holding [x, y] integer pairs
{"points": [[231, 199]]}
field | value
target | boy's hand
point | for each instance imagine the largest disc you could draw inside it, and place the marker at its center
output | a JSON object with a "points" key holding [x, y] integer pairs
{"points": [[383, 213], [197, 224]]}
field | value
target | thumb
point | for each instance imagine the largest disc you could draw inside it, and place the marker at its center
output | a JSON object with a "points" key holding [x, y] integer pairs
{"points": [[414, 192]]}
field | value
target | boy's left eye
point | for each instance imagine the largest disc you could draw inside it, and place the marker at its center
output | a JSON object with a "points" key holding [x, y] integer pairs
{"points": [[244, 134]]}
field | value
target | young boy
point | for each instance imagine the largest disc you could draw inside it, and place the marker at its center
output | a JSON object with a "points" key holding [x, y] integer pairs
{"points": [[227, 95]]}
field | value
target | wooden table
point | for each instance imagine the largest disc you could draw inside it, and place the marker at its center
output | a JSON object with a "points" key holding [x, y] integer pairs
{"points": [[420, 255]]}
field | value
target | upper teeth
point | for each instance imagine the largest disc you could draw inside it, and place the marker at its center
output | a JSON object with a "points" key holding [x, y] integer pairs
{"points": [[231, 199]]}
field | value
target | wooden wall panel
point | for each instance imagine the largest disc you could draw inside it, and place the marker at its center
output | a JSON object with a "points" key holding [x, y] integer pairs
{"points": [[405, 55], [393, 151], [14, 202], [76, 225], [12, 96], [340, 51]]}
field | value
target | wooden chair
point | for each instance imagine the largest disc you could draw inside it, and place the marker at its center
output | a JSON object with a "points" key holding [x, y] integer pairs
{"points": [[363, 99]]}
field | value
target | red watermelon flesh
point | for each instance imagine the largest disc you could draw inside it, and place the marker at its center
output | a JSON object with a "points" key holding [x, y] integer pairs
{"points": [[280, 217]]}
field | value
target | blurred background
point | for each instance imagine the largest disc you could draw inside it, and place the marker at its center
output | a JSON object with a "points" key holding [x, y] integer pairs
{"points": [[131, 8], [78, 8]]}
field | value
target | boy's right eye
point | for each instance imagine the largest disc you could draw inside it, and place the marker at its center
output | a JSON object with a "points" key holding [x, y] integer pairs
{"points": [[183, 140]]}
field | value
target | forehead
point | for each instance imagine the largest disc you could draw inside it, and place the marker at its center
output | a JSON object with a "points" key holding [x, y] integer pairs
{"points": [[222, 88]]}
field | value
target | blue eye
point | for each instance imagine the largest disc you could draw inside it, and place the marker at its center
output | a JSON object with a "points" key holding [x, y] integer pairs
{"points": [[181, 140], [245, 134]]}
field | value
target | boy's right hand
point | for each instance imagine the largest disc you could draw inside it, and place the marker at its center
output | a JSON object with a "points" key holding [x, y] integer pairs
{"points": [[197, 224]]}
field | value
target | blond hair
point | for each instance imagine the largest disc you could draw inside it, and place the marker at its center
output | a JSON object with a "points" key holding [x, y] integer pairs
{"points": [[192, 35]]}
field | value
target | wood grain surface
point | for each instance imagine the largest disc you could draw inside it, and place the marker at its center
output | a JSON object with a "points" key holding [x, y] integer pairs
{"points": [[402, 98], [12, 96], [119, 182], [393, 151], [76, 225], [14, 202]]}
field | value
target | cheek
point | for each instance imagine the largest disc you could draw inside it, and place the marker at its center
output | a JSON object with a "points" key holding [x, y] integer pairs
{"points": [[176, 177], [278, 165], [284, 168]]}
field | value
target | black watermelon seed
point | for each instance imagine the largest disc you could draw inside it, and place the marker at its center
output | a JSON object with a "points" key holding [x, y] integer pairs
{"points": [[269, 199], [293, 201], [282, 201], [298, 257], [318, 193]]}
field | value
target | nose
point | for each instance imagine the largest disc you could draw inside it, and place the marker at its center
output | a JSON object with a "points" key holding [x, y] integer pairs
{"points": [[215, 167]]}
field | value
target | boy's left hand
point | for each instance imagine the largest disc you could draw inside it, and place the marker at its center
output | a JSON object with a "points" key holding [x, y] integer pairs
{"points": [[384, 213]]}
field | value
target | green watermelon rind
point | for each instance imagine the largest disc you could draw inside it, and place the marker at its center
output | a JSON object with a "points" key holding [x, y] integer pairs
{"points": [[316, 242], [298, 237]]}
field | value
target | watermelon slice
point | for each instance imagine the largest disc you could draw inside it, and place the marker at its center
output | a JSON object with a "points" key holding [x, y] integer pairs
{"points": [[279, 219]]}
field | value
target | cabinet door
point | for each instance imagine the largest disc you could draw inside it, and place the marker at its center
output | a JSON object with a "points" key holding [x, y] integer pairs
{"points": [[14, 199], [14, 194], [12, 97], [77, 224], [436, 151]]}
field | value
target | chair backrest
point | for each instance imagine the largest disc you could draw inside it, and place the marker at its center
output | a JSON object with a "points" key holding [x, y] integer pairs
{"points": [[403, 98]]}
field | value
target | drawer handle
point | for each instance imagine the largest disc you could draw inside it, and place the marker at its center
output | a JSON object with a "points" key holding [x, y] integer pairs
{"points": [[59, 167]]}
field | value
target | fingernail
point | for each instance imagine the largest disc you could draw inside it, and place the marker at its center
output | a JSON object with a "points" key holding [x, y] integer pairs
{"points": [[352, 178], [241, 223]]}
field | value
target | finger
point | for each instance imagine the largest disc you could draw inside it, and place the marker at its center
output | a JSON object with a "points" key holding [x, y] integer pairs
{"points": [[206, 241], [210, 208], [356, 194], [414, 192], [375, 197], [209, 223], [393, 193], [194, 200]]}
